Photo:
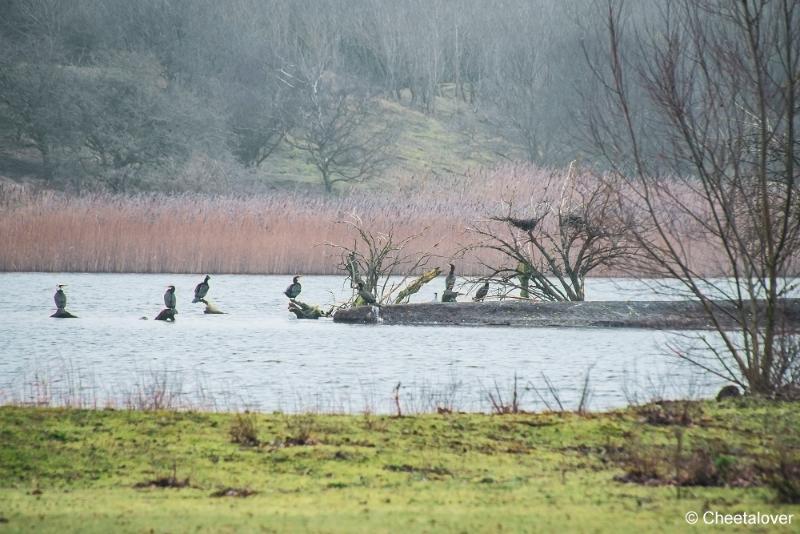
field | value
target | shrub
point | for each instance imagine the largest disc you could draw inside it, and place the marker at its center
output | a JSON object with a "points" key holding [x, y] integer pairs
{"points": [[243, 430]]}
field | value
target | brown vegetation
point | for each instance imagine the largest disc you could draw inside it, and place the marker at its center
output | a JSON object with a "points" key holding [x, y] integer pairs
{"points": [[265, 234]]}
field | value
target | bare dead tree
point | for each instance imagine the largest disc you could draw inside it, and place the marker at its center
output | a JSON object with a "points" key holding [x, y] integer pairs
{"points": [[382, 261], [721, 78], [546, 251]]}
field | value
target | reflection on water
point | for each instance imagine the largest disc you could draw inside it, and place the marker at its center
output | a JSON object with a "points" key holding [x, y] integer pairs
{"points": [[258, 355]]}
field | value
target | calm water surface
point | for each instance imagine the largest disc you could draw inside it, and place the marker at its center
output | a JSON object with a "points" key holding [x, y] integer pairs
{"points": [[259, 356]]}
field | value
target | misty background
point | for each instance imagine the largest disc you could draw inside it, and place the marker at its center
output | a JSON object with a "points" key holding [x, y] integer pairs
{"points": [[248, 95]]}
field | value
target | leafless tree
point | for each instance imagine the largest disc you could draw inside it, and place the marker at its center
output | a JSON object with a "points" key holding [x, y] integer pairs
{"points": [[340, 132], [546, 249], [382, 261], [721, 81]]}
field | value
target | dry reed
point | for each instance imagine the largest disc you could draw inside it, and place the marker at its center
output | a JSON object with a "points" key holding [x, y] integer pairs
{"points": [[275, 233]]}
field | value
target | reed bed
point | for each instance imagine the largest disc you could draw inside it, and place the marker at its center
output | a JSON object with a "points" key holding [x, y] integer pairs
{"points": [[270, 233]]}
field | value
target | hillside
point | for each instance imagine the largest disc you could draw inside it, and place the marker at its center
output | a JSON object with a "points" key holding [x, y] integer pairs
{"points": [[452, 140]]}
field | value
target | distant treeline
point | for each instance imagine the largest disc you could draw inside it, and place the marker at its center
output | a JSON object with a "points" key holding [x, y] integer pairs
{"points": [[120, 95]]}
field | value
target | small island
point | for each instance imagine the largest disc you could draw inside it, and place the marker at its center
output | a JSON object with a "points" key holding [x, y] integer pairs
{"points": [[669, 315]]}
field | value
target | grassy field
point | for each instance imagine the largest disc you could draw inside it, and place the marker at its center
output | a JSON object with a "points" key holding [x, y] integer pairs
{"points": [[103, 471]]}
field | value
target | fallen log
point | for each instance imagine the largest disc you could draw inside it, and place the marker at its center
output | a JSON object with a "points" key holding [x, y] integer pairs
{"points": [[306, 311], [416, 285]]}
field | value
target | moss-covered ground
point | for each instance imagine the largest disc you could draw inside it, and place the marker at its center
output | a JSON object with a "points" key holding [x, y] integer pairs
{"points": [[65, 470]]}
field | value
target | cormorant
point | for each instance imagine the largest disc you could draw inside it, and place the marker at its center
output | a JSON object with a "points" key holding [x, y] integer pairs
{"points": [[482, 292], [201, 290], [61, 303], [449, 296], [365, 295], [169, 298], [574, 220], [294, 289], [60, 298], [450, 281], [524, 224]]}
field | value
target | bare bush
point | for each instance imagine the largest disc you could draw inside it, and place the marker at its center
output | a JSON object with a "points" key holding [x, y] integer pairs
{"points": [[155, 390], [376, 258], [509, 404], [244, 430], [719, 87], [546, 248], [301, 429]]}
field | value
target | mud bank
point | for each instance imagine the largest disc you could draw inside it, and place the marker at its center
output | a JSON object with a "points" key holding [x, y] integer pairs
{"points": [[673, 315]]}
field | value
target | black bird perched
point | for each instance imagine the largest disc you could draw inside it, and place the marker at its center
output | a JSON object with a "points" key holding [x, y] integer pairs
{"points": [[294, 289], [60, 298], [449, 296], [574, 220], [482, 292], [61, 303], [169, 298], [365, 295], [201, 290], [450, 281], [524, 224]]}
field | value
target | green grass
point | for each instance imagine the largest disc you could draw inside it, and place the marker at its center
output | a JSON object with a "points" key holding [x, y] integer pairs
{"points": [[69, 470]]}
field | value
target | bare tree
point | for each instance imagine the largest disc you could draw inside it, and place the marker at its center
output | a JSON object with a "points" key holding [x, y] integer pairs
{"points": [[546, 250], [721, 81], [383, 262], [340, 133]]}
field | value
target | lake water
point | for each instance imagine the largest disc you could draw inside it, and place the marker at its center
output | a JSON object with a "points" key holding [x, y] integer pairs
{"points": [[259, 356]]}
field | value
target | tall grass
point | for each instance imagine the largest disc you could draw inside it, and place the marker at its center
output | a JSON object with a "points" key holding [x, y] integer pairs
{"points": [[274, 233]]}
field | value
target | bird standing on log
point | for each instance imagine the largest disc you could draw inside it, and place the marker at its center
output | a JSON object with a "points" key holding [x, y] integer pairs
{"points": [[60, 298], [168, 313], [365, 295], [169, 298], [201, 290], [482, 292], [293, 291], [450, 281]]}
